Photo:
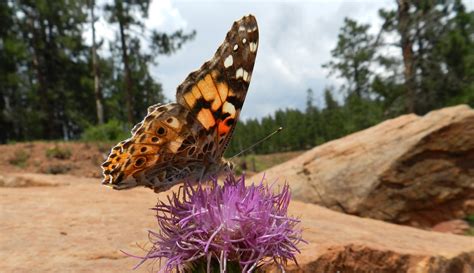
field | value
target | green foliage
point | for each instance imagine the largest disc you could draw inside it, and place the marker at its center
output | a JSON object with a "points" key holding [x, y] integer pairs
{"points": [[200, 266], [58, 152], [304, 130], [20, 158], [167, 44], [352, 57], [136, 87], [46, 80], [113, 130], [438, 67], [470, 220], [258, 163], [57, 169]]}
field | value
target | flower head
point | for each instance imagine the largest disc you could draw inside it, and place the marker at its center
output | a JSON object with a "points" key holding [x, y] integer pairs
{"points": [[228, 223]]}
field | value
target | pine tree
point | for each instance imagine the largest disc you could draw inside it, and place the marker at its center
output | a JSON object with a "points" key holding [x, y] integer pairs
{"points": [[127, 14], [12, 57], [95, 67], [52, 32], [352, 58], [435, 44]]}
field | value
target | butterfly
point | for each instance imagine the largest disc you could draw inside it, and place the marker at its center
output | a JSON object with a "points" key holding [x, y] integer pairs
{"points": [[186, 140]]}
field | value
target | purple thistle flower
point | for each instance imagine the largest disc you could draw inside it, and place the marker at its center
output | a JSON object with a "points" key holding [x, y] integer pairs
{"points": [[228, 224]]}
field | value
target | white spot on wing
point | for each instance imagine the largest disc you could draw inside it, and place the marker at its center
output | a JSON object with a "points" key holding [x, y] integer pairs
{"points": [[228, 108], [253, 46], [174, 123], [236, 46], [241, 28], [246, 76], [239, 73], [244, 40], [228, 61]]}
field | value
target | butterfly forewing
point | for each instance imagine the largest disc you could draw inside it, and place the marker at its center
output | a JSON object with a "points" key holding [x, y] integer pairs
{"points": [[216, 92], [186, 140]]}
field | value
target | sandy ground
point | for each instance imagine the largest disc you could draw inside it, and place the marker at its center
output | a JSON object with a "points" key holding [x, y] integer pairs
{"points": [[62, 223], [76, 226]]}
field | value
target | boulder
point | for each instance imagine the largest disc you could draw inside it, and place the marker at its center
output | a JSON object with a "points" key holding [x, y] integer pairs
{"points": [[344, 243], [409, 170]]}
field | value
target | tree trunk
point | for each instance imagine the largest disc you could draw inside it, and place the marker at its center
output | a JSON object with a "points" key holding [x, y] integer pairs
{"points": [[95, 68], [128, 79], [358, 88], [38, 64], [407, 51]]}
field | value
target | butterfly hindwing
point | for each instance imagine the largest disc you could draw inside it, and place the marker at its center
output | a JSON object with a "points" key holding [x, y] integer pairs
{"points": [[166, 136]]}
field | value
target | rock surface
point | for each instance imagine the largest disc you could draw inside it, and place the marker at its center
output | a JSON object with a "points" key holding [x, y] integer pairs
{"points": [[410, 170], [345, 243], [80, 226]]}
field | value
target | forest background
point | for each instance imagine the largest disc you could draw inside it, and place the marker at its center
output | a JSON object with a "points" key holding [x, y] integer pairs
{"points": [[54, 86]]}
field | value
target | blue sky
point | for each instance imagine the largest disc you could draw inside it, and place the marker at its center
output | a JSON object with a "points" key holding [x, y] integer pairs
{"points": [[296, 38]]}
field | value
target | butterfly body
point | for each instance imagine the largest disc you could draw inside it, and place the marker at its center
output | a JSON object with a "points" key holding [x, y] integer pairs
{"points": [[185, 141]]}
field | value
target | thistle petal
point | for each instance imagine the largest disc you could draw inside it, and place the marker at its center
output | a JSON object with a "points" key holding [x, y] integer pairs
{"points": [[229, 224]]}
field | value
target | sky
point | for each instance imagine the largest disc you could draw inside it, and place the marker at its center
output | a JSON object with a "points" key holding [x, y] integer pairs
{"points": [[296, 38]]}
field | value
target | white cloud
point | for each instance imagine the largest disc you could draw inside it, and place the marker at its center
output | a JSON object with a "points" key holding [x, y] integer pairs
{"points": [[163, 15], [104, 31]]}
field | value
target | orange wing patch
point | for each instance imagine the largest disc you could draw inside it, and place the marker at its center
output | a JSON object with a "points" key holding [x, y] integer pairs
{"points": [[207, 88], [223, 128], [196, 93], [222, 87], [226, 125], [190, 100], [205, 117], [223, 90]]}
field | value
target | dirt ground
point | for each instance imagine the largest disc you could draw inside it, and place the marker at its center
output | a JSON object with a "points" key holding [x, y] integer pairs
{"points": [[63, 223], [84, 159], [72, 224], [75, 158]]}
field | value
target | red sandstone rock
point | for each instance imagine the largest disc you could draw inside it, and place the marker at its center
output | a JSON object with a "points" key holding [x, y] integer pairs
{"points": [[411, 170]]}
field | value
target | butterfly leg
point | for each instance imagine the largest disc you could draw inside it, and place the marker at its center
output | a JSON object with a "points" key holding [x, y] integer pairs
{"points": [[203, 172]]}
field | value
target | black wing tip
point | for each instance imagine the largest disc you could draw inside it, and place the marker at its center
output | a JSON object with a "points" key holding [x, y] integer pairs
{"points": [[247, 23], [249, 18]]}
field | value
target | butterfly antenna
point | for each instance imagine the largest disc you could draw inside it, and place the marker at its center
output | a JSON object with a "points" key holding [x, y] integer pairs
{"points": [[258, 142]]}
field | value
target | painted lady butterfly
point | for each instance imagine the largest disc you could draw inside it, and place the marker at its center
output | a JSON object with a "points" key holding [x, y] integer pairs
{"points": [[186, 140]]}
